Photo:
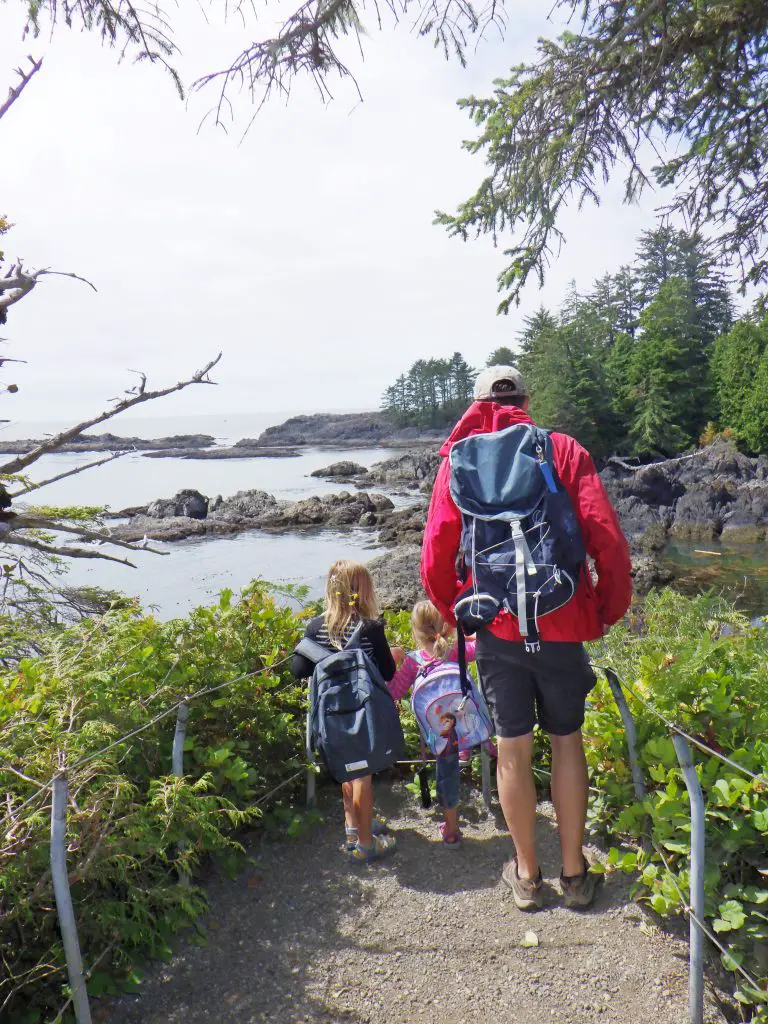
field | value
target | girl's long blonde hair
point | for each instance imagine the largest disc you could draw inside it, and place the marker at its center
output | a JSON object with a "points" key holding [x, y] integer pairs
{"points": [[429, 626], [349, 597]]}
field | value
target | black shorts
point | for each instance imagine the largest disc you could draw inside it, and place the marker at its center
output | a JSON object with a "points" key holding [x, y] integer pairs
{"points": [[550, 687]]}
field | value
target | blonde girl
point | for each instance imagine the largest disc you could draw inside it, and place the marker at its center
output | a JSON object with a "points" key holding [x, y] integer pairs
{"points": [[435, 643], [350, 599]]}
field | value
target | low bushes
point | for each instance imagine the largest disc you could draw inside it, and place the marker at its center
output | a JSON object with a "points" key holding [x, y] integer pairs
{"points": [[704, 667], [695, 660], [92, 684]]}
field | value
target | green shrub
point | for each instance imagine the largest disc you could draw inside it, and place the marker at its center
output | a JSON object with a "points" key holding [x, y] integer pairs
{"points": [[90, 685], [706, 668]]}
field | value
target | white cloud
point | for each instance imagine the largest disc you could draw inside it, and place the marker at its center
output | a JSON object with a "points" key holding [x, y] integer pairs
{"points": [[307, 250]]}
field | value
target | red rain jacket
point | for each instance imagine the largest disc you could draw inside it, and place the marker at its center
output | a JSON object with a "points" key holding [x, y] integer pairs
{"points": [[591, 609]]}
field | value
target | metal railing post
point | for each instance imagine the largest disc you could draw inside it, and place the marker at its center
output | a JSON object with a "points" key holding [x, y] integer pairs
{"points": [[696, 964], [311, 797], [177, 763], [64, 908], [631, 731], [485, 764]]}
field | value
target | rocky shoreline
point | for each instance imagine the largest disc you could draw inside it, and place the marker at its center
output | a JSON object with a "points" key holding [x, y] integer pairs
{"points": [[322, 430], [716, 493]]}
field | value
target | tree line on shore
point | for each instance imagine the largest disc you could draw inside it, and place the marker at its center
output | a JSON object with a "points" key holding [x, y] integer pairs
{"points": [[651, 360]]}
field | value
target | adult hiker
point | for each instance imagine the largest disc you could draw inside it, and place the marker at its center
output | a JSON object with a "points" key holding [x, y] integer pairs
{"points": [[514, 512]]}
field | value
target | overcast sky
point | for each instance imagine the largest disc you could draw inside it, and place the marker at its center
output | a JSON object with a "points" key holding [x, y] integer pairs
{"points": [[307, 254]]}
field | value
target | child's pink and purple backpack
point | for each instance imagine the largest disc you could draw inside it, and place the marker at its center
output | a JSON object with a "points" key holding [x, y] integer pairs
{"points": [[446, 687]]}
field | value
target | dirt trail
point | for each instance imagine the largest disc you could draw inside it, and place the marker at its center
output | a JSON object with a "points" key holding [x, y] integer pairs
{"points": [[431, 936]]}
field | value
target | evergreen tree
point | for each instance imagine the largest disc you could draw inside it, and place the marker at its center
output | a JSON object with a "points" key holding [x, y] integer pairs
{"points": [[755, 419], [501, 356], [736, 360], [666, 393]]}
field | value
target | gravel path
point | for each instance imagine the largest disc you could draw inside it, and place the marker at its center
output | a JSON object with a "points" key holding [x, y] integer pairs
{"points": [[430, 936]]}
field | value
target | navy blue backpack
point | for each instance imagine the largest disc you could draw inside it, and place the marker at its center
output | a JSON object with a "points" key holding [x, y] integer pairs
{"points": [[520, 538], [353, 723]]}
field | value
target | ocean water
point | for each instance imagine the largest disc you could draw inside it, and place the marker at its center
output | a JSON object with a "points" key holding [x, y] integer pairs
{"points": [[194, 571]]}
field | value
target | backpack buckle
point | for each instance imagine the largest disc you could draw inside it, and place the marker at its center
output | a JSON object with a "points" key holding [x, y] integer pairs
{"points": [[460, 705], [532, 647]]}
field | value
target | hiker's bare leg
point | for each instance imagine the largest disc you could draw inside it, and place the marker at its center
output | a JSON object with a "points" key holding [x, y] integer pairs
{"points": [[570, 786], [349, 813], [451, 818], [517, 794], [362, 808]]}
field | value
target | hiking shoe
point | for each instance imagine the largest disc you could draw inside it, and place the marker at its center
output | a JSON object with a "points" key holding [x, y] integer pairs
{"points": [[579, 890], [452, 839], [528, 893]]}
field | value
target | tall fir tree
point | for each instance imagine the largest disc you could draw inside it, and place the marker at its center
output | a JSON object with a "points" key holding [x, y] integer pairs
{"points": [[736, 358], [666, 394]]}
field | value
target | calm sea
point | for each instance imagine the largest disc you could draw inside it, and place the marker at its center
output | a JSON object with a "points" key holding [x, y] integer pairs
{"points": [[195, 571]]}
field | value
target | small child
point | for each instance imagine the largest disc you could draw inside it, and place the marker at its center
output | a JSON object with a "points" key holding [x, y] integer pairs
{"points": [[349, 599], [437, 643]]}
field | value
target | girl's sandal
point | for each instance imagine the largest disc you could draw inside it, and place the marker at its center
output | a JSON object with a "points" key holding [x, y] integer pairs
{"points": [[379, 827], [383, 846]]}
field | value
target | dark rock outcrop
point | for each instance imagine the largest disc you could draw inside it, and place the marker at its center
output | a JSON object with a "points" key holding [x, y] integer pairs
{"points": [[235, 452], [341, 470], [397, 578], [113, 443], [345, 430], [191, 514], [189, 504], [412, 469]]}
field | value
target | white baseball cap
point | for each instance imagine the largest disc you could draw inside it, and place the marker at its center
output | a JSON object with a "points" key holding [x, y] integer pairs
{"points": [[499, 381]]}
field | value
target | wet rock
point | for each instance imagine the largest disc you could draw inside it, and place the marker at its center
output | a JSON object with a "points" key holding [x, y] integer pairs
{"points": [[699, 512], [412, 469], [747, 520], [397, 577], [234, 452], [245, 508], [341, 470], [405, 526], [169, 528], [113, 443], [343, 429], [187, 503]]}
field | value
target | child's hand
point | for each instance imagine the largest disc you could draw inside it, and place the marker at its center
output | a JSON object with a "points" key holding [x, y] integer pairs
{"points": [[399, 655]]}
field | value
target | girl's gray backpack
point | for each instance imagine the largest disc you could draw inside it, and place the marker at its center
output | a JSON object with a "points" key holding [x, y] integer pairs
{"points": [[352, 723]]}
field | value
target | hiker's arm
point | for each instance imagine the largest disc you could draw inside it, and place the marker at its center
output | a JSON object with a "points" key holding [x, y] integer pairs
{"points": [[382, 655], [301, 667], [442, 537], [603, 539], [404, 678]]}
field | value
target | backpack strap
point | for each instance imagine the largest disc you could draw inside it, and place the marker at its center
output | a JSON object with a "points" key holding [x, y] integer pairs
{"points": [[463, 673], [312, 650]]}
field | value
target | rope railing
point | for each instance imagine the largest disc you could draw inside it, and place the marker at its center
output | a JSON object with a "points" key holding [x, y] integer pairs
{"points": [[58, 786]]}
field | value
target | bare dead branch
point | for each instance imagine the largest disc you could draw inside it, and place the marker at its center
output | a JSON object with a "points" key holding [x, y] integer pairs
{"points": [[18, 282], [63, 552], [36, 523], [69, 472], [25, 78], [18, 464]]}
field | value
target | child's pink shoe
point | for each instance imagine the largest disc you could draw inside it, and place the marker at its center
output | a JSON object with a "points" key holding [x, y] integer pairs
{"points": [[465, 756], [452, 839]]}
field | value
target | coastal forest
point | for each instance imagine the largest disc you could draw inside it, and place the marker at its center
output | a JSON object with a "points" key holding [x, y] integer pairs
{"points": [[649, 361]]}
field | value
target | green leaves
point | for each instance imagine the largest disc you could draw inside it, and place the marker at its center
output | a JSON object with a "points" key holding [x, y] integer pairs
{"points": [[732, 916], [94, 683]]}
